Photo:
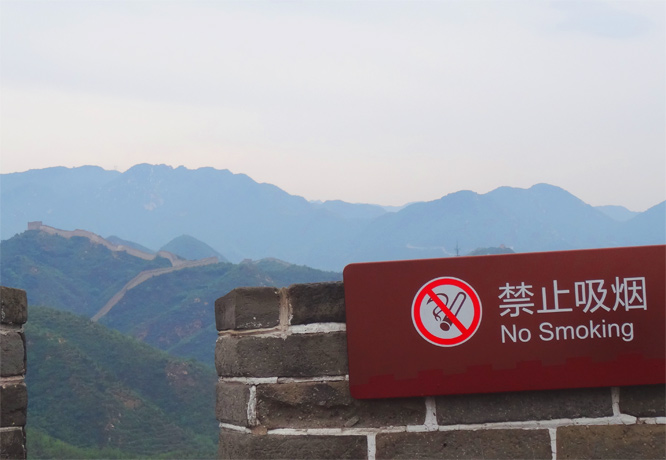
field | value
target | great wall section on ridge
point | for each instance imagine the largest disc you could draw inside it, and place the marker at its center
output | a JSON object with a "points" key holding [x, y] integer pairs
{"points": [[177, 263], [283, 391]]}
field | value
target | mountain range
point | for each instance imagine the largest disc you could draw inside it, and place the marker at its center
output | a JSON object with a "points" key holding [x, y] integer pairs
{"points": [[181, 238], [97, 393], [165, 303], [239, 219]]}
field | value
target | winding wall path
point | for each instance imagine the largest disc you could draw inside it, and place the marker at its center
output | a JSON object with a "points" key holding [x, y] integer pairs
{"points": [[176, 262], [146, 275]]}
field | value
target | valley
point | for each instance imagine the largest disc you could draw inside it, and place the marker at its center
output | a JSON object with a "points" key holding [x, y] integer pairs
{"points": [[121, 329]]}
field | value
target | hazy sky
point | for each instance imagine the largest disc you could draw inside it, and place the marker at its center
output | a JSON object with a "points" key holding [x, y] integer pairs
{"points": [[384, 102]]}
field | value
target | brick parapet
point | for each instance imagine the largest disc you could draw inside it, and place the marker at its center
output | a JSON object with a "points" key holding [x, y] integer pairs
{"points": [[283, 391], [13, 391]]}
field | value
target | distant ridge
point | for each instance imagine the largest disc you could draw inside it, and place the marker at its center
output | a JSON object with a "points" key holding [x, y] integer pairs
{"points": [[242, 219], [121, 242], [619, 213], [176, 262], [40, 227], [190, 248], [168, 307]]}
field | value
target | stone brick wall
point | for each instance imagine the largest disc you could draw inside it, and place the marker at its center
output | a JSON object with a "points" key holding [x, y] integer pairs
{"points": [[13, 392], [283, 393]]}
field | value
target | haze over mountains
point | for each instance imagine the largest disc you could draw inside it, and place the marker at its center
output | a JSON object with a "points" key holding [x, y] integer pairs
{"points": [[202, 214], [96, 393], [171, 309], [241, 219]]}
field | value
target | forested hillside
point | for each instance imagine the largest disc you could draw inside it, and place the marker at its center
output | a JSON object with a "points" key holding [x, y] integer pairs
{"points": [[173, 311], [95, 393], [70, 274]]}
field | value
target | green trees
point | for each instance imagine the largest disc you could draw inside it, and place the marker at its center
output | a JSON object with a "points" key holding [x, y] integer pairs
{"points": [[95, 390]]}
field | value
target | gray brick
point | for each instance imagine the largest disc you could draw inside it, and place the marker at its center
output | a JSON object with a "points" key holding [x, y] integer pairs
{"points": [[496, 444], [528, 405], [12, 354], [611, 441], [329, 405], [298, 355], [248, 308], [13, 404], [12, 444], [232, 402], [13, 306], [317, 303], [643, 400], [235, 445]]}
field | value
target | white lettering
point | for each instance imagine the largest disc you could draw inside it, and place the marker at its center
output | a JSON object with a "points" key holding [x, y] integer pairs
{"points": [[546, 328], [628, 334], [524, 334], [594, 330], [603, 330], [585, 332], [511, 336], [564, 330]]}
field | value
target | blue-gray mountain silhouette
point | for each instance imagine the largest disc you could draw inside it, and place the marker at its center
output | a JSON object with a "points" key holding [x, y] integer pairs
{"points": [[242, 219]]}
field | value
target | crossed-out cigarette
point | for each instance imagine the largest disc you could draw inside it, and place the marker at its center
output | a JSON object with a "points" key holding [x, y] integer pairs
{"points": [[445, 324]]}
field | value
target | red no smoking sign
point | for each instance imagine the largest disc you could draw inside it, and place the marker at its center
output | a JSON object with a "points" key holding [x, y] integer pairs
{"points": [[516, 322], [446, 311]]}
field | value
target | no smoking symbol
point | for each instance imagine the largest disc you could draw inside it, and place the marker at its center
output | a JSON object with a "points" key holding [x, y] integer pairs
{"points": [[446, 311]]}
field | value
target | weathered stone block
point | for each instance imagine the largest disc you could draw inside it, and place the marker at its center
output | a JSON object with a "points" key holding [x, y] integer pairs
{"points": [[12, 444], [329, 405], [13, 404], [317, 303], [13, 306], [248, 308], [611, 441], [527, 405], [496, 444], [235, 445], [232, 402], [298, 355], [12, 354], [643, 400]]}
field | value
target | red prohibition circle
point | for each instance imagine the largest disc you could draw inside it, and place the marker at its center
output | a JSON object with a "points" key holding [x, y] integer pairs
{"points": [[466, 332]]}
